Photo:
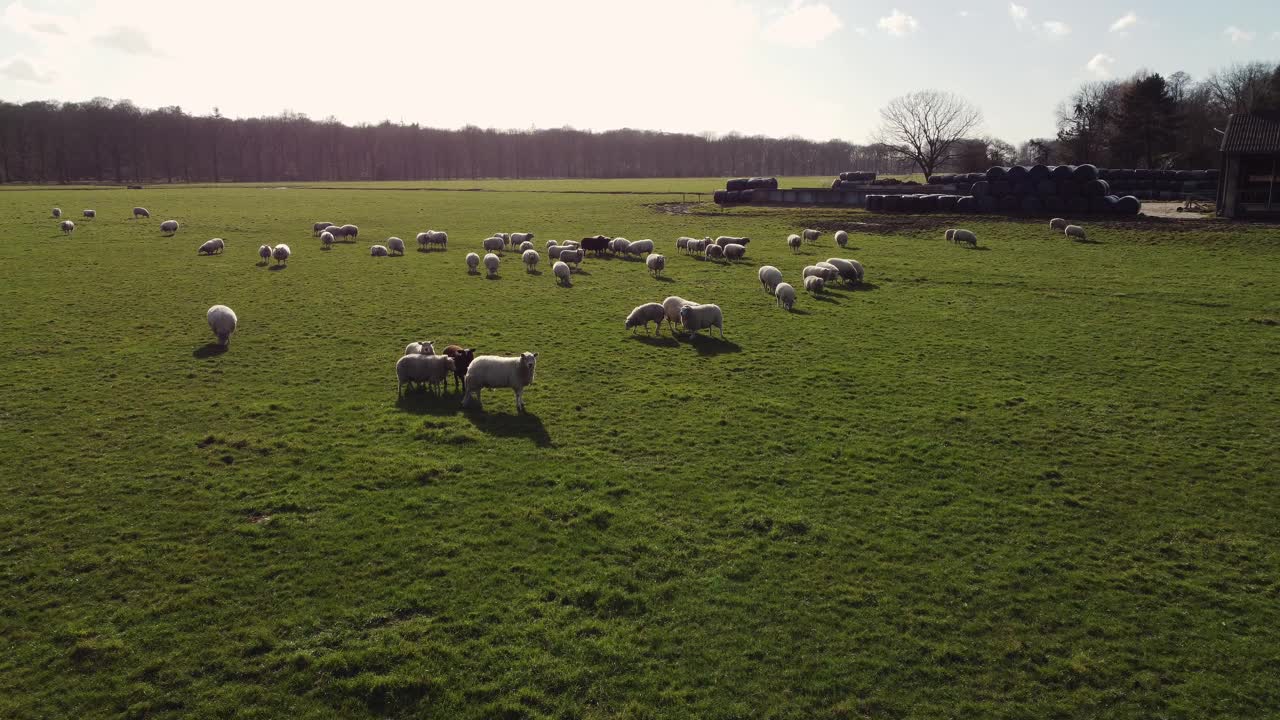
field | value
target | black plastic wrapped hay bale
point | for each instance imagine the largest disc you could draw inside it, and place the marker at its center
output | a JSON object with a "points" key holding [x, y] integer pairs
{"points": [[910, 203], [981, 189], [1098, 204], [1095, 188], [1211, 174], [1031, 204], [1016, 173], [1046, 187], [732, 196], [875, 203], [1084, 173], [1112, 201], [1078, 204], [736, 184], [1000, 188], [892, 203], [746, 195], [928, 204], [1009, 203], [762, 183], [1038, 173], [835, 184], [1104, 173], [1061, 172], [947, 203], [720, 196], [1142, 174], [1068, 188], [1023, 187], [1053, 203], [1128, 205], [988, 204], [967, 204], [996, 172]]}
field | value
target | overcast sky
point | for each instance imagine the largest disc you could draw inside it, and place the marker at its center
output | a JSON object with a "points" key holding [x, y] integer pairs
{"points": [[819, 69]]}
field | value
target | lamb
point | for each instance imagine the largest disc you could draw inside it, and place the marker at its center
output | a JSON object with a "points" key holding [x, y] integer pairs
{"points": [[1074, 231], [140, 212], [851, 271], [326, 239], [57, 213], [517, 238], [827, 273], [210, 247], [656, 264], [379, 251], [68, 227], [842, 238], [319, 227], [530, 258], [473, 262], [793, 242], [526, 246], [966, 236], [222, 321], [493, 244], [491, 263], [491, 371], [423, 369], [561, 271], [91, 214], [811, 235], [734, 251], [1056, 224], [785, 294], [281, 253], [169, 227], [671, 306], [645, 314], [726, 239], [264, 252], [814, 284], [350, 231], [422, 347], [697, 317], [395, 245], [640, 247], [462, 358], [715, 252], [770, 276]]}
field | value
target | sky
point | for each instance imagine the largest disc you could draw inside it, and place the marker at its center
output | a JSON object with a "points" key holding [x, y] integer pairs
{"points": [[816, 69]]}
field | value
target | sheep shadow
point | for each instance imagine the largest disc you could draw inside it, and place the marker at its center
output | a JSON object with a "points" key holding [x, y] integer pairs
{"points": [[979, 248], [799, 311], [533, 272], [655, 340], [663, 278], [495, 276], [564, 285], [1081, 241], [210, 350], [521, 425], [823, 297], [580, 271], [277, 268], [862, 287], [706, 345], [426, 402], [262, 263]]}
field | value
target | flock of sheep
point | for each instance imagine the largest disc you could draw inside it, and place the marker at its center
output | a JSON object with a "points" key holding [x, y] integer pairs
{"points": [[968, 237]]}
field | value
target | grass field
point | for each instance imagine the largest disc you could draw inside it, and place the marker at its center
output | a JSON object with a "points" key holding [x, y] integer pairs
{"points": [[1034, 480]]}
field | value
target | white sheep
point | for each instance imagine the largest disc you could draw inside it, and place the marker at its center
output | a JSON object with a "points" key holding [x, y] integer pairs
{"points": [[526, 246], [517, 238], [645, 314], [337, 231], [950, 235], [682, 243], [811, 235], [640, 247], [850, 271], [473, 262], [967, 237], [491, 371], [423, 240], [424, 369], [842, 238], [68, 227], [222, 321], [621, 245], [90, 214], [814, 284], [734, 251], [1056, 224], [830, 271], [438, 237], [350, 231], [726, 239], [785, 294], [421, 347], [698, 247], [554, 251], [770, 276], [572, 257], [793, 242], [571, 244], [57, 213], [530, 258], [395, 245], [1074, 231], [827, 273], [553, 243], [491, 263], [169, 227], [140, 212], [264, 252], [319, 227], [281, 253], [671, 306], [209, 247], [326, 239], [656, 264], [697, 317], [562, 272], [379, 251], [493, 244], [715, 252]]}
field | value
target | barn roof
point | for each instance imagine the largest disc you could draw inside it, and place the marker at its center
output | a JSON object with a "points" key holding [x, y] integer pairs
{"points": [[1252, 134]]}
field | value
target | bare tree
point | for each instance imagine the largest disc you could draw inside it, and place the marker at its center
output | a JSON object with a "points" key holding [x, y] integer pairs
{"points": [[924, 126], [1238, 88]]}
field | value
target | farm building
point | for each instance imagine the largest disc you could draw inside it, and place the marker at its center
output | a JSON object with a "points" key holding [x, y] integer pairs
{"points": [[1249, 185]]}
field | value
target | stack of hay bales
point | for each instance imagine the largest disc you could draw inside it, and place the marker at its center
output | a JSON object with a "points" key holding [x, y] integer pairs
{"points": [[742, 189], [1168, 185], [853, 180], [1020, 189]]}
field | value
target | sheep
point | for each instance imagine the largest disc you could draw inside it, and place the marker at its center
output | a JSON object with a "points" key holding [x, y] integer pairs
{"points": [[473, 262], [530, 258], [140, 212], [1056, 224], [561, 271], [491, 263], [506, 237], [656, 264], [715, 252], [793, 242], [596, 244], [785, 294], [326, 239], [1074, 231], [421, 347], [222, 321], [770, 276], [640, 247], [210, 247], [571, 244], [554, 251], [842, 238], [169, 227], [572, 257], [517, 238], [90, 214], [57, 213], [966, 236], [526, 246], [319, 227], [462, 358], [491, 371], [423, 369], [671, 306], [395, 245], [734, 251], [726, 239], [264, 252], [851, 271], [645, 314], [699, 247], [378, 251], [830, 271], [438, 237], [697, 317], [950, 235], [337, 231], [350, 231], [553, 243], [682, 243], [815, 271], [423, 240], [68, 227], [621, 246], [281, 253], [493, 244], [811, 235], [814, 284]]}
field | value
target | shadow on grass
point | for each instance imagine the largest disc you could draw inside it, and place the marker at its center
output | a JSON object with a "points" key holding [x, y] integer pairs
{"points": [[208, 351], [980, 248], [825, 298], [582, 272], [492, 277], [664, 278], [655, 340], [564, 285], [425, 402], [262, 263], [712, 345], [533, 272], [1084, 241], [799, 311], [276, 268], [860, 287], [524, 425]]}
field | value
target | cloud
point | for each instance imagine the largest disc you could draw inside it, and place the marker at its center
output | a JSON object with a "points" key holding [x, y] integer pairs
{"points": [[963, 13], [898, 23], [1100, 65], [20, 18], [1053, 27], [803, 25], [127, 40], [23, 70], [863, 31], [1127, 21], [1018, 13], [1238, 36]]}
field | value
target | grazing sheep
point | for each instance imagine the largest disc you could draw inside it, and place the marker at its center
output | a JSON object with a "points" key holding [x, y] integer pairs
{"points": [[571, 244], [473, 262], [281, 253], [596, 244], [967, 237], [833, 271], [264, 252], [91, 214], [554, 251], [438, 237], [770, 276], [561, 271], [506, 237], [734, 251], [645, 314], [621, 246], [950, 235], [656, 264], [493, 244], [222, 321], [682, 243], [671, 306], [431, 370], [423, 240], [395, 245], [851, 271], [697, 317], [530, 258], [422, 347], [811, 235], [525, 246], [491, 263], [827, 273], [350, 231], [1074, 231], [785, 294], [715, 252], [319, 227], [210, 247], [140, 212], [491, 371], [842, 238], [640, 247], [517, 238], [68, 227], [57, 213], [326, 239], [551, 244], [699, 247], [462, 358], [338, 231], [1058, 224], [169, 227], [793, 242], [814, 284], [572, 257], [726, 239], [378, 251]]}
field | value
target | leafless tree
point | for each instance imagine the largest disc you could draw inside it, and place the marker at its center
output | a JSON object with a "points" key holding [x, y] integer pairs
{"points": [[924, 126], [1237, 88]]}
